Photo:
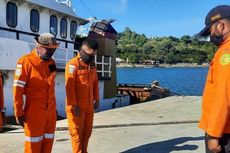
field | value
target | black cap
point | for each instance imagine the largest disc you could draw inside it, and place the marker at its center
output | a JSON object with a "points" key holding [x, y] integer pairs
{"points": [[216, 14]]}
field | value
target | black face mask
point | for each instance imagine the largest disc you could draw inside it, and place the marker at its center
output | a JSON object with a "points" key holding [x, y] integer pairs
{"points": [[47, 56], [217, 40], [86, 57]]}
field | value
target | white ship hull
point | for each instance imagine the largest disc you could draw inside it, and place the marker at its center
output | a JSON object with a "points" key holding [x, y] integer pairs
{"points": [[16, 40], [8, 59], [105, 104]]}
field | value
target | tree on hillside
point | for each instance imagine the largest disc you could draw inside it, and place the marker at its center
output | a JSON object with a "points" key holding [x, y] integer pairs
{"points": [[172, 50]]}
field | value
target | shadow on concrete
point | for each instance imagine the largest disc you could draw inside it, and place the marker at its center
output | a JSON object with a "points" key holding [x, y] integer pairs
{"points": [[167, 146]]}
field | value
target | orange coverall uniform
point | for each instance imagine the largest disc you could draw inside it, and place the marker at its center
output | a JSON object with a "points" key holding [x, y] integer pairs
{"points": [[34, 82], [81, 90], [1, 100], [215, 119]]}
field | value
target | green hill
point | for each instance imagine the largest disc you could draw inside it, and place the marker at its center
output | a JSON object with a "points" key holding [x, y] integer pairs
{"points": [[170, 50]]}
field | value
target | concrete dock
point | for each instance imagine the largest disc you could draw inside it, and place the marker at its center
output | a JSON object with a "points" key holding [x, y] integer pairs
{"points": [[167, 125]]}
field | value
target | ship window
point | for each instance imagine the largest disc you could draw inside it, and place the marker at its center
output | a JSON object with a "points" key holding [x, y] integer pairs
{"points": [[11, 14], [34, 20], [53, 24], [73, 29], [63, 28]]}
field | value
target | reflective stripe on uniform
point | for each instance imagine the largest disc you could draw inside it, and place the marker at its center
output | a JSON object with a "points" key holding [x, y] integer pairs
{"points": [[19, 83], [73, 66], [49, 135], [34, 139], [19, 65]]}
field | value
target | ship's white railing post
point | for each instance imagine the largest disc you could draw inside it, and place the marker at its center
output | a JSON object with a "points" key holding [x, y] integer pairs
{"points": [[95, 60], [103, 66], [110, 64], [66, 56]]}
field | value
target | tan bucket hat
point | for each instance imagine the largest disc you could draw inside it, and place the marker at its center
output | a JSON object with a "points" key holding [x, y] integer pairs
{"points": [[46, 40]]}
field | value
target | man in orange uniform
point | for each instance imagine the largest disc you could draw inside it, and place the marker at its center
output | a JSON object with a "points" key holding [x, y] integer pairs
{"points": [[2, 108], [215, 119], [34, 83], [82, 95]]}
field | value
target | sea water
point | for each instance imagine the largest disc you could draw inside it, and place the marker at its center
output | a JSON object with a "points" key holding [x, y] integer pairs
{"points": [[181, 80]]}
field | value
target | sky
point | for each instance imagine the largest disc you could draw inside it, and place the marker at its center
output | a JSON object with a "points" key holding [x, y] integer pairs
{"points": [[154, 18]]}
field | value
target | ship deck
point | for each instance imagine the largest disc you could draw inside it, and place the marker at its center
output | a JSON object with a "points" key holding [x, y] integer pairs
{"points": [[160, 126]]}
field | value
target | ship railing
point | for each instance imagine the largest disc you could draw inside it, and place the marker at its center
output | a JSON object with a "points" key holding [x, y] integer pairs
{"points": [[63, 55], [103, 63]]}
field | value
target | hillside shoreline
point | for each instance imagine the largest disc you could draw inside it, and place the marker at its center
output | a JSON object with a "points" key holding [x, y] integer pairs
{"points": [[163, 65]]}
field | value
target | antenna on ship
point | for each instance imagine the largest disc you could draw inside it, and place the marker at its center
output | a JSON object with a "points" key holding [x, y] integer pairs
{"points": [[83, 30], [107, 20], [66, 2]]}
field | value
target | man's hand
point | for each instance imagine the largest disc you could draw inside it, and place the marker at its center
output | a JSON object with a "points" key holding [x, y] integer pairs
{"points": [[213, 145], [96, 104], [20, 120], [77, 111]]}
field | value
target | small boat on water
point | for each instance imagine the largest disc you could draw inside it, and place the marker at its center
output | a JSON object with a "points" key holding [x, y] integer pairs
{"points": [[143, 92]]}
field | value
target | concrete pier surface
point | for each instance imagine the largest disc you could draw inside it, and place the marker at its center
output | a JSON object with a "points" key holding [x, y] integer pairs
{"points": [[167, 125]]}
